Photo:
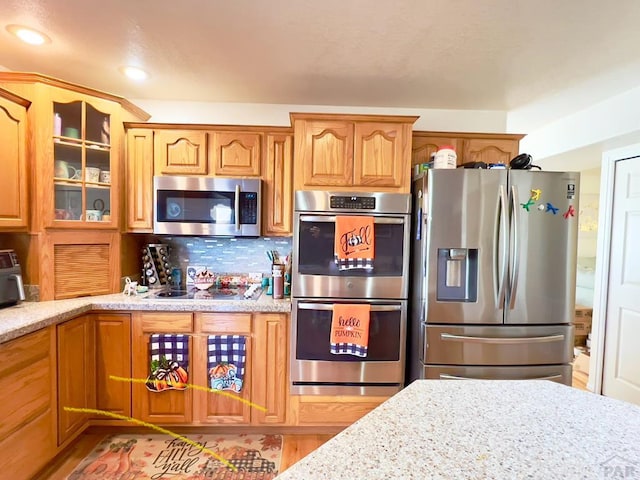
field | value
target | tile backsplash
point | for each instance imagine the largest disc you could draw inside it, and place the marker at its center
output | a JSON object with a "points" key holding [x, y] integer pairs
{"points": [[226, 255]]}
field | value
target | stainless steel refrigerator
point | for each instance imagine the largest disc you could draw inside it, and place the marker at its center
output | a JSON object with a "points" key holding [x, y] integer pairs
{"points": [[493, 274]]}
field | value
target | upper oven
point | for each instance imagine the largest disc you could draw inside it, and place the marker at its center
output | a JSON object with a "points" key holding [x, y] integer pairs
{"points": [[316, 268], [189, 205]]}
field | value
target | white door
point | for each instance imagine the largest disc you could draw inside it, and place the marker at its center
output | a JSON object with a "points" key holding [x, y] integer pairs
{"points": [[621, 375]]}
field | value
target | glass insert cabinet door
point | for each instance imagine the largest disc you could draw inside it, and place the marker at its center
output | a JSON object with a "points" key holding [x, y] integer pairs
{"points": [[82, 163]]}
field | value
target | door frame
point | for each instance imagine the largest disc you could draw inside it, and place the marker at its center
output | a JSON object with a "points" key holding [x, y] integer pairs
{"points": [[603, 256]]}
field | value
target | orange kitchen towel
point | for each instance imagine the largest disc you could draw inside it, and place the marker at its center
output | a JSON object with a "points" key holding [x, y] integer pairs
{"points": [[350, 329], [354, 243]]}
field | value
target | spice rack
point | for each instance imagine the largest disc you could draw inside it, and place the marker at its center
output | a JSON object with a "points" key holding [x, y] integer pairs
{"points": [[156, 269]]}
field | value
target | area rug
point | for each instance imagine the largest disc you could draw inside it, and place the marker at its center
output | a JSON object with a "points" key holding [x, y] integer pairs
{"points": [[202, 457]]}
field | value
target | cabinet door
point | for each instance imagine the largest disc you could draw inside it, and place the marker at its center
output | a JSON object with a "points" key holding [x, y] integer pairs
{"points": [[424, 146], [75, 264], [76, 374], [27, 396], [169, 406], [85, 164], [235, 153], [113, 357], [13, 145], [277, 188], [223, 407], [324, 150], [180, 152], [139, 180], [490, 150], [270, 361], [381, 155]]}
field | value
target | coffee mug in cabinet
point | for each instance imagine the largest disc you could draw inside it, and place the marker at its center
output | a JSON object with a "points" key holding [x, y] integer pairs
{"points": [[93, 215], [62, 169], [92, 174], [105, 176]]}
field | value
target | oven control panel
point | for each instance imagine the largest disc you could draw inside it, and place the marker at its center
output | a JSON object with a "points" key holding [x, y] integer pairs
{"points": [[354, 203]]}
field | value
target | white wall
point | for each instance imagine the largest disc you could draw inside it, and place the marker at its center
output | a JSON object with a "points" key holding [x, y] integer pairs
{"points": [[489, 121]]}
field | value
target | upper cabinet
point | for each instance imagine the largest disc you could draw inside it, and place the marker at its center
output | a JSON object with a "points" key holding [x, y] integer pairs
{"points": [[470, 147], [235, 153], [209, 150], [180, 152], [13, 146], [74, 141], [352, 152]]}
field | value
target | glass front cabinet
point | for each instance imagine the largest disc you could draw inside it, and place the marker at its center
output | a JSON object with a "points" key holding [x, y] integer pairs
{"points": [[84, 164]]}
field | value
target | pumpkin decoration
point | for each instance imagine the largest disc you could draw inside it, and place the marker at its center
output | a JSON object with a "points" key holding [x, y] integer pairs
{"points": [[166, 374]]}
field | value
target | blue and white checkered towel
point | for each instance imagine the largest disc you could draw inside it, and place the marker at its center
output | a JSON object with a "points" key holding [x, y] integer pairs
{"points": [[226, 358], [173, 347]]}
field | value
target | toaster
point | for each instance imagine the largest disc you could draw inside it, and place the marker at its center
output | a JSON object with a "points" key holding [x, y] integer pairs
{"points": [[11, 286]]}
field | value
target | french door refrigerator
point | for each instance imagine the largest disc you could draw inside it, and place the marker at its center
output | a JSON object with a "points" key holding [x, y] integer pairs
{"points": [[493, 274]]}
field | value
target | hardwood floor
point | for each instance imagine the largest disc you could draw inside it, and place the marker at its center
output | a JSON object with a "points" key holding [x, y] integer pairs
{"points": [[294, 448]]}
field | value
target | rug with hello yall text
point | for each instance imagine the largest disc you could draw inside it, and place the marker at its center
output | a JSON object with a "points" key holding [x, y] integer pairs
{"points": [[202, 457]]}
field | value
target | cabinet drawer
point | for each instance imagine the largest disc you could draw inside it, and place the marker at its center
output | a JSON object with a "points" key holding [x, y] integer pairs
{"points": [[332, 412], [171, 322], [223, 323]]}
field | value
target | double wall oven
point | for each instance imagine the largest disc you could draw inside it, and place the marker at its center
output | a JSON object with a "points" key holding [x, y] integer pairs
{"points": [[320, 284]]}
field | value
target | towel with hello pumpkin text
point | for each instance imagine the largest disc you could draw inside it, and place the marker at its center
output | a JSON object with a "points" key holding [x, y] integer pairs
{"points": [[350, 329], [354, 245]]}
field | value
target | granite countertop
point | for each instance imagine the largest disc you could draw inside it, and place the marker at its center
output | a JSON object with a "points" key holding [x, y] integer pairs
{"points": [[481, 429], [28, 317]]}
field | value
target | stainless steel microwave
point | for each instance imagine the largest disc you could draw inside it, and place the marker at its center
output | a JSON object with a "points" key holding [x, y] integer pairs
{"points": [[190, 205]]}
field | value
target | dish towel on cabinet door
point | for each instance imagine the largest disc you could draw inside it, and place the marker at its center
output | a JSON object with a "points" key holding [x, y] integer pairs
{"points": [[226, 357], [350, 329], [169, 361], [354, 242]]}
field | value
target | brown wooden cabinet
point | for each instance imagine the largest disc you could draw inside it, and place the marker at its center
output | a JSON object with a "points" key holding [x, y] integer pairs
{"points": [[270, 360], [28, 399], [265, 376], [352, 152], [113, 358], [470, 147], [235, 153], [172, 406], [180, 152], [13, 151], [76, 374], [210, 407], [277, 185], [139, 180]]}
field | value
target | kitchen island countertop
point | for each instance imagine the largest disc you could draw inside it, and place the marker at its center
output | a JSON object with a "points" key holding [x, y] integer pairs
{"points": [[28, 317], [481, 429]]}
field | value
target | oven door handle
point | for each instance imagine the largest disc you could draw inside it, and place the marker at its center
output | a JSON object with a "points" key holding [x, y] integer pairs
{"points": [[329, 306], [332, 219]]}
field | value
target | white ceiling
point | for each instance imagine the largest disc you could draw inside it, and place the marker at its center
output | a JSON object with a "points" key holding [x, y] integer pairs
{"points": [[444, 54]]}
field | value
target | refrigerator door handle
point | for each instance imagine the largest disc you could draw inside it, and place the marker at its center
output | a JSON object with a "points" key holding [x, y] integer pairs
{"points": [[501, 340], [445, 376], [515, 221], [500, 249]]}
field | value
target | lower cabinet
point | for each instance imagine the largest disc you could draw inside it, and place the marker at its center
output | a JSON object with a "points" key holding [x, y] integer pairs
{"points": [[27, 396], [263, 397], [76, 374], [113, 358], [332, 410]]}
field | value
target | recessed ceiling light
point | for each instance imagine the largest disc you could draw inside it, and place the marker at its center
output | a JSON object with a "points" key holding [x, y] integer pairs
{"points": [[28, 35], [134, 73]]}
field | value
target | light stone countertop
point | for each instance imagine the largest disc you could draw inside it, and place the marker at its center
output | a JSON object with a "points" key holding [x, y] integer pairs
{"points": [[483, 429], [28, 317]]}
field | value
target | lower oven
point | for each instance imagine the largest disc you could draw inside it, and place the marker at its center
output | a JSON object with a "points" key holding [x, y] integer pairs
{"points": [[315, 370]]}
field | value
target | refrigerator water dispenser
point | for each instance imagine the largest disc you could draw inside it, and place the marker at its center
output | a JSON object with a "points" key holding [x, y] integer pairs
{"points": [[457, 275]]}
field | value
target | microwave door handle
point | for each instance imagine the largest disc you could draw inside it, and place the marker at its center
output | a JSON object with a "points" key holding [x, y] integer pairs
{"points": [[237, 207]]}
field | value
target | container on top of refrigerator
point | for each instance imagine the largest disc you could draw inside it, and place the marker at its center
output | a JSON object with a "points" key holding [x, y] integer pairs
{"points": [[445, 157]]}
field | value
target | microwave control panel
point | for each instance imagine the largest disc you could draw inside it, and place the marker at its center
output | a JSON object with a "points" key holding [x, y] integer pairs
{"points": [[248, 208], [353, 203]]}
